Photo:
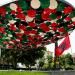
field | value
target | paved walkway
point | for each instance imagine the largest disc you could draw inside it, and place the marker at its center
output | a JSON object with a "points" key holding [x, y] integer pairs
{"points": [[70, 72], [62, 72]]}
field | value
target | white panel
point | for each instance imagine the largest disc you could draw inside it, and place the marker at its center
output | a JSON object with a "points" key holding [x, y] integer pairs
{"points": [[3, 2]]}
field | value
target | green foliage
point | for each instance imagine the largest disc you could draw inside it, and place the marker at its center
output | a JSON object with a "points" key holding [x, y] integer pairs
{"points": [[50, 61], [41, 64], [50, 58], [27, 57], [45, 66], [69, 59], [66, 61]]}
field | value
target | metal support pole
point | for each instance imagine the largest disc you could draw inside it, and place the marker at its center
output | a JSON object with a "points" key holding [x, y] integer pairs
{"points": [[0, 52]]}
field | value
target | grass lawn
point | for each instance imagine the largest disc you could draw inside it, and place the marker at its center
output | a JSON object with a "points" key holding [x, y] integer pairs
{"points": [[21, 73]]}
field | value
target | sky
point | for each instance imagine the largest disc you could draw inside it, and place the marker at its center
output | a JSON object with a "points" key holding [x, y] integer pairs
{"points": [[3, 2], [51, 47]]}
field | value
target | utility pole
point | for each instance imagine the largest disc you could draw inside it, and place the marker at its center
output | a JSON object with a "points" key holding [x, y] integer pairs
{"points": [[55, 57], [0, 52]]}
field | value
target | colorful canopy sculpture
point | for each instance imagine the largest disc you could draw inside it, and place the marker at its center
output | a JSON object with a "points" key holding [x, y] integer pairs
{"points": [[34, 23]]}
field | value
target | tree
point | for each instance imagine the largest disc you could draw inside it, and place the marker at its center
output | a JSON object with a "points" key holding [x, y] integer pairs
{"points": [[27, 57], [41, 63], [10, 56], [50, 61], [68, 61], [62, 61]]}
